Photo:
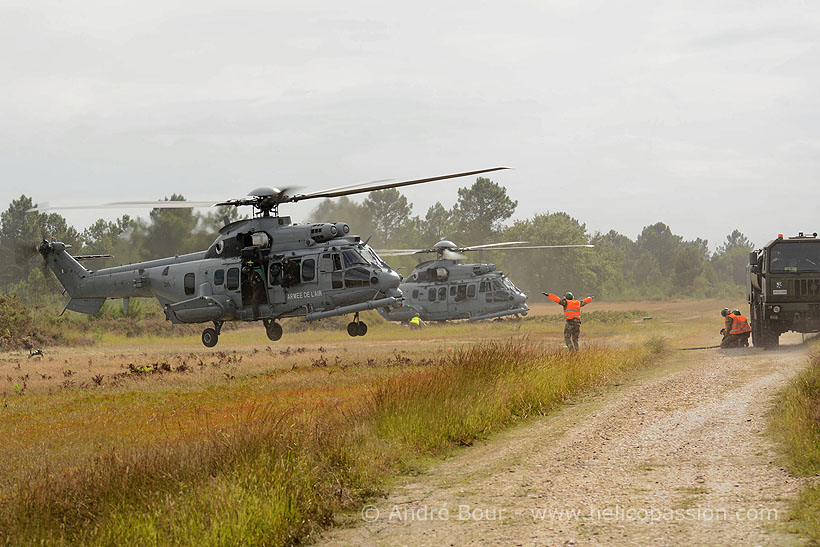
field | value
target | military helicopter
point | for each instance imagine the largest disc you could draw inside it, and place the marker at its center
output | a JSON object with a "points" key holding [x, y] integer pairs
{"points": [[260, 269], [443, 289]]}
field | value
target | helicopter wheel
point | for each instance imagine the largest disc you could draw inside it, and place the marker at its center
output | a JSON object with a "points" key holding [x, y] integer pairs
{"points": [[362, 328], [353, 328], [274, 331], [209, 337]]}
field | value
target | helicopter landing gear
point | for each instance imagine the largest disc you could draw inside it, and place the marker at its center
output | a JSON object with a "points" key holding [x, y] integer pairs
{"points": [[273, 329], [210, 336], [356, 327]]}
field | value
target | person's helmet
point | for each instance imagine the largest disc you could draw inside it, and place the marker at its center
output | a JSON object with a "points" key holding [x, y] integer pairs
{"points": [[724, 312], [736, 312], [569, 296]]}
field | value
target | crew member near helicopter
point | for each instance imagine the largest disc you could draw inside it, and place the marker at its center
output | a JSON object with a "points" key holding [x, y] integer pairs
{"points": [[572, 313], [736, 330], [416, 322]]}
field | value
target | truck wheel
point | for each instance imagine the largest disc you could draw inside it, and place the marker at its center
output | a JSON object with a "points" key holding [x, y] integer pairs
{"points": [[209, 337]]}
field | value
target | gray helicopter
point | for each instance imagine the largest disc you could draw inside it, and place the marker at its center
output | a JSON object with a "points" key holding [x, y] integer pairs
{"points": [[443, 289], [260, 269]]}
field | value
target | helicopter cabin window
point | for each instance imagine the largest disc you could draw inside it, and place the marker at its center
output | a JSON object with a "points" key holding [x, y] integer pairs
{"points": [[219, 277], [290, 272], [308, 269], [415, 294], [275, 273], [357, 277], [233, 279], [471, 291], [461, 295], [442, 294], [189, 283], [453, 291], [431, 294]]}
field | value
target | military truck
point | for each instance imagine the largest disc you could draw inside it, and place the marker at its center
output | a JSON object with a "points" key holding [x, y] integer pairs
{"points": [[783, 288]]}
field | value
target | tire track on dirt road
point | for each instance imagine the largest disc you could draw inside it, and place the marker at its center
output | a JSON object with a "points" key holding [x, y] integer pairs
{"points": [[676, 455]]}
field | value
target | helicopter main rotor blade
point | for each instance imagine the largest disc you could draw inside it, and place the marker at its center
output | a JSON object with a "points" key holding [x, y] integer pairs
{"points": [[401, 252], [335, 192], [131, 205], [161, 204], [491, 245], [547, 247]]}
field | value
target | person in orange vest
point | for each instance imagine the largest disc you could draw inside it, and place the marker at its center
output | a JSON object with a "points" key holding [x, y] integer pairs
{"points": [[736, 330], [572, 313]]}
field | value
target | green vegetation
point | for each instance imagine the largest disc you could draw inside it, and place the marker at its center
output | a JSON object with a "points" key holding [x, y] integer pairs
{"points": [[797, 425], [269, 458]]}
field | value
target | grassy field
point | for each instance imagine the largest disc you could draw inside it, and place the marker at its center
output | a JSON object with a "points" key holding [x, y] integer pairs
{"points": [[797, 425], [138, 440]]}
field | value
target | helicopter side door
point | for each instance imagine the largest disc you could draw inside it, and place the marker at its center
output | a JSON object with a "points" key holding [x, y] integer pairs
{"points": [[225, 280], [331, 275], [276, 293], [463, 300], [437, 302]]}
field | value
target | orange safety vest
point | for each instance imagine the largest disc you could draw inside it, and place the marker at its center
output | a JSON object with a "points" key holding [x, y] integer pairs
{"points": [[740, 325], [573, 309]]}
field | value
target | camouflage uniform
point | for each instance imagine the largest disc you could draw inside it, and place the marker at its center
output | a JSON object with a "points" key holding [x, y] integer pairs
{"points": [[572, 328]]}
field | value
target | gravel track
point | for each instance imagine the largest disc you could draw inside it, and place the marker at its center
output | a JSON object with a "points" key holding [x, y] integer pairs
{"points": [[677, 455]]}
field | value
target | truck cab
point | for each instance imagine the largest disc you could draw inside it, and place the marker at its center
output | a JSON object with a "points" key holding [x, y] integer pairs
{"points": [[783, 288]]}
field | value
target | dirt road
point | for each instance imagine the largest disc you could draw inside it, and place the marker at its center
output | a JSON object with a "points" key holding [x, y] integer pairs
{"points": [[678, 455]]}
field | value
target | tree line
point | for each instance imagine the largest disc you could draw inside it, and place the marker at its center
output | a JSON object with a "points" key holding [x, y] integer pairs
{"points": [[656, 264]]}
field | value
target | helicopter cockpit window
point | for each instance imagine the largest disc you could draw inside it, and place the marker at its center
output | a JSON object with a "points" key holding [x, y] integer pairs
{"points": [[431, 294], [189, 283], [471, 291], [337, 261], [233, 279], [308, 269], [219, 277], [483, 287], [371, 256], [442, 293], [453, 289], [357, 277], [352, 258]]}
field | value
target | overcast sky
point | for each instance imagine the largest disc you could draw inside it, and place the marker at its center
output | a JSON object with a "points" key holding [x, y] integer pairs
{"points": [[703, 115]]}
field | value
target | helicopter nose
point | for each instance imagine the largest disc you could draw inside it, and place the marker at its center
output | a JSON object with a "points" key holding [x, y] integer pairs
{"points": [[388, 280], [520, 298]]}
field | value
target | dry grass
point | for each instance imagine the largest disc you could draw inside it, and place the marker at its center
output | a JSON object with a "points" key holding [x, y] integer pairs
{"points": [[265, 446], [797, 425]]}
